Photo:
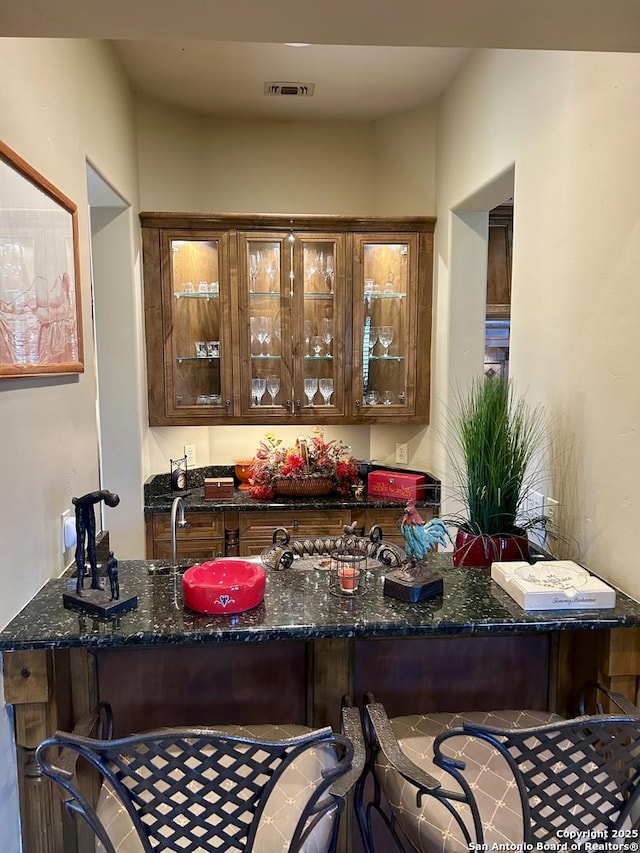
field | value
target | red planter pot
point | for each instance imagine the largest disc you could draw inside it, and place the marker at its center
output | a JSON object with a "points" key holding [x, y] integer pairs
{"points": [[473, 550]]}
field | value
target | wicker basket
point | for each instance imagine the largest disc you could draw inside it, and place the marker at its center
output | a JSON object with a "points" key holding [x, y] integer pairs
{"points": [[307, 487]]}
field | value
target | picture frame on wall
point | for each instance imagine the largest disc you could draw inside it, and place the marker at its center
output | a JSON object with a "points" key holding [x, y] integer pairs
{"points": [[40, 308]]}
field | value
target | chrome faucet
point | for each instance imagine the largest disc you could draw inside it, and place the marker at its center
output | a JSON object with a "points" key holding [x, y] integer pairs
{"points": [[178, 502]]}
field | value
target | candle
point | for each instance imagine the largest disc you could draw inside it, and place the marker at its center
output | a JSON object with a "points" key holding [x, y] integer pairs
{"points": [[348, 578]]}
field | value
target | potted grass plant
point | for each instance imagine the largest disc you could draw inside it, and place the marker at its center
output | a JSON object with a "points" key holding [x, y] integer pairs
{"points": [[497, 439]]}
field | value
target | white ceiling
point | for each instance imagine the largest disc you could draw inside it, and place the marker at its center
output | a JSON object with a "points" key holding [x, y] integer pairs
{"points": [[368, 58], [228, 78]]}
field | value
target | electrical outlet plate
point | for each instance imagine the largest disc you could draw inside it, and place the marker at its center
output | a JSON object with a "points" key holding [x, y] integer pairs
{"points": [[402, 454], [552, 512], [190, 453]]}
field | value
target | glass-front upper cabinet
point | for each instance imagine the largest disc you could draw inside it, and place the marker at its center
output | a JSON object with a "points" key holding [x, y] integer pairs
{"points": [[292, 313], [198, 351], [387, 314]]}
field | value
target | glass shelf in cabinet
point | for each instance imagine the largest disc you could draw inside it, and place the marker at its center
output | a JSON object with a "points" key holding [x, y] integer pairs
{"points": [[181, 358], [272, 293], [206, 296], [386, 358], [369, 296], [265, 357], [313, 294], [318, 358]]}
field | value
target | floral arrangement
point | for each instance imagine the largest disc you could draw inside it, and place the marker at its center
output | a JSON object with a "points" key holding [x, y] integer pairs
{"points": [[314, 458]]}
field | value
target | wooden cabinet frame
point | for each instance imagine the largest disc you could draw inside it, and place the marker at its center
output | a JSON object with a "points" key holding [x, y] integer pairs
{"points": [[231, 233]]}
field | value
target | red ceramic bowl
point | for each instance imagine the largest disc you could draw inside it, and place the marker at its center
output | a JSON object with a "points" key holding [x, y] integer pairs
{"points": [[223, 586]]}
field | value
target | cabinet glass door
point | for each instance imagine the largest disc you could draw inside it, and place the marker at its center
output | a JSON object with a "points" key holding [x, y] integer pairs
{"points": [[264, 267], [385, 326], [198, 346], [319, 279]]}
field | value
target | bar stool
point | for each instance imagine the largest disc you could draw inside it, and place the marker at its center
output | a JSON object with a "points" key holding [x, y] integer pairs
{"points": [[525, 780], [233, 788]]}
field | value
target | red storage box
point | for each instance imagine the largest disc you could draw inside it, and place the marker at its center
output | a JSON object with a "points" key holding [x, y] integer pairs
{"points": [[391, 484]]}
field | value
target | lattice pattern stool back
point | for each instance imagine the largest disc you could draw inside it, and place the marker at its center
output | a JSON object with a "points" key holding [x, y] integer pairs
{"points": [[233, 789], [501, 778]]}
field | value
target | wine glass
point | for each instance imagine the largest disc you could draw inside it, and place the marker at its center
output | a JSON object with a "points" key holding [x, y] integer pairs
{"points": [[328, 272], [273, 386], [253, 269], [316, 344], [385, 336], [307, 334], [326, 389], [310, 388], [327, 333], [263, 333], [258, 387], [373, 338], [271, 269]]}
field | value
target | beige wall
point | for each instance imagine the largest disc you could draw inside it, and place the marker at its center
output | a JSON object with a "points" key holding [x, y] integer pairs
{"points": [[60, 102], [193, 164], [570, 124]]}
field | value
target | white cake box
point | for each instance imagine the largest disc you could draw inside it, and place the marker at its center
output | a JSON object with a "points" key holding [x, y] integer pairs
{"points": [[553, 585]]}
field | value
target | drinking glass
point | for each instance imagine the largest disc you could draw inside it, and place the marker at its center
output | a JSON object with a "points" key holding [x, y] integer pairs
{"points": [[327, 333], [307, 334], [328, 272], [373, 338], [273, 386], [263, 333], [271, 268], [253, 269], [385, 336], [316, 344], [258, 387], [310, 388], [326, 389]]}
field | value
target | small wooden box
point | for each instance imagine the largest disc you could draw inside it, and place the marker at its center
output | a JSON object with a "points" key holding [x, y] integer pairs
{"points": [[218, 488]]}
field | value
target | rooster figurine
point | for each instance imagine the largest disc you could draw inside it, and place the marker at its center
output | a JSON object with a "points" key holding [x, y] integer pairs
{"points": [[420, 538]]}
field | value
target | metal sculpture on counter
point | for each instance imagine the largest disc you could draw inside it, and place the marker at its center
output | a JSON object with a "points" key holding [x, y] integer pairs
{"points": [[112, 574], [414, 580], [284, 550], [86, 533], [96, 600]]}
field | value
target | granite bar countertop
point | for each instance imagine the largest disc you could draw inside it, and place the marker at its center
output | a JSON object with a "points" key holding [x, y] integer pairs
{"points": [[297, 605], [158, 496]]}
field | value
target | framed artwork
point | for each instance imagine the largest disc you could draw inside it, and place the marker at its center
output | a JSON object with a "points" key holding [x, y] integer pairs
{"points": [[40, 311]]}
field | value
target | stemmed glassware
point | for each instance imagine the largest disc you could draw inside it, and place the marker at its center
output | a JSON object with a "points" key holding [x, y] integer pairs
{"points": [[273, 386], [310, 388], [263, 333], [385, 336], [327, 333], [258, 387], [271, 268], [254, 269], [316, 344], [307, 335], [328, 272], [373, 338], [326, 389]]}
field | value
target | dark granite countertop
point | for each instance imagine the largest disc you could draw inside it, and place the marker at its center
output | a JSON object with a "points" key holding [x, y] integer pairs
{"points": [[158, 497], [297, 605]]}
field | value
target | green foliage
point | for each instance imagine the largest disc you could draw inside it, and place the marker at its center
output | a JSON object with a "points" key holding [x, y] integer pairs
{"points": [[497, 438]]}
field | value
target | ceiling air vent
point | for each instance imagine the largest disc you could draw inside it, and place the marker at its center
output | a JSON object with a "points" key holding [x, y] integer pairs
{"points": [[304, 89]]}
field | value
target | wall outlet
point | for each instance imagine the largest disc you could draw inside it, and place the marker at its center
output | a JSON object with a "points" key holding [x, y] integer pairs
{"points": [[68, 538], [535, 508], [552, 513], [190, 453], [402, 454]]}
